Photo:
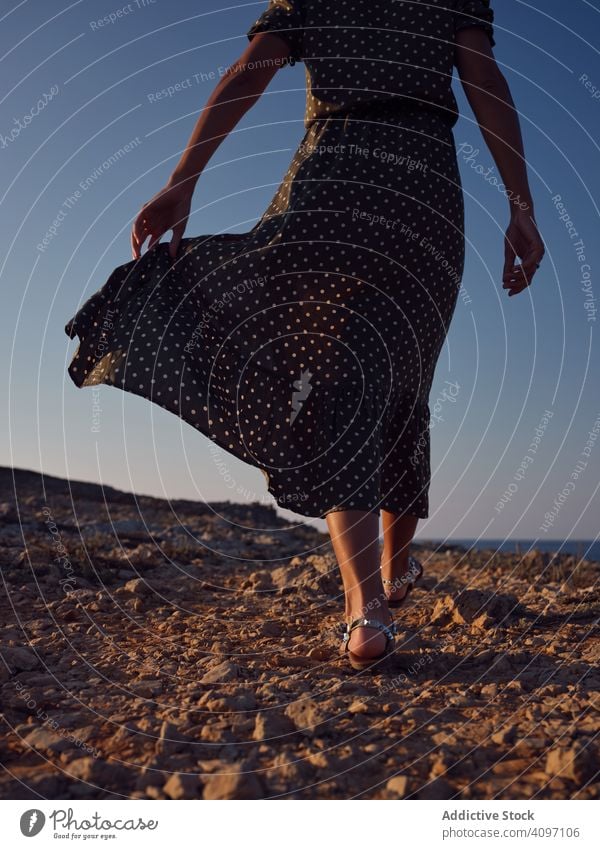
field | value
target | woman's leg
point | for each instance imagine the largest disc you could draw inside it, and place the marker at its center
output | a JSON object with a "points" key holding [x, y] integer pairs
{"points": [[398, 533], [355, 539]]}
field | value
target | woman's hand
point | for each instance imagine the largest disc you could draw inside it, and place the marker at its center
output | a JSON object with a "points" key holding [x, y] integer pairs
{"points": [[523, 240], [167, 210]]}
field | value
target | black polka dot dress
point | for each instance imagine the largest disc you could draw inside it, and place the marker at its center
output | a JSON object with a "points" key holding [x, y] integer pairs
{"points": [[307, 346]]}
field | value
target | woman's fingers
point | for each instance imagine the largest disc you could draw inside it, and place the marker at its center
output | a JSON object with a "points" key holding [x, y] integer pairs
{"points": [[139, 234], [520, 276], [178, 232], [523, 240], [169, 205], [145, 224], [155, 237], [509, 255]]}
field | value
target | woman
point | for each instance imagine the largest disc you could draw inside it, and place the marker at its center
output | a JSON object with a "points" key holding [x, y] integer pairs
{"points": [[307, 346]]}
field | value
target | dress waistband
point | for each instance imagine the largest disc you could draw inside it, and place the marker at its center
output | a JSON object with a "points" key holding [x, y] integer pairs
{"points": [[387, 109]]}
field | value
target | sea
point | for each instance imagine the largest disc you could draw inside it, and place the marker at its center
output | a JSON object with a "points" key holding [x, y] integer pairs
{"points": [[586, 549]]}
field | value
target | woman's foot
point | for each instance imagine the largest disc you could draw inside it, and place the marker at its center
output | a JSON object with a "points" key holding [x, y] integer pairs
{"points": [[355, 539], [365, 658], [399, 575], [366, 642], [398, 533]]}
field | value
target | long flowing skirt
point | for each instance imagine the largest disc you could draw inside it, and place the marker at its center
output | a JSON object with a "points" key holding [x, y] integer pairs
{"points": [[306, 346]]}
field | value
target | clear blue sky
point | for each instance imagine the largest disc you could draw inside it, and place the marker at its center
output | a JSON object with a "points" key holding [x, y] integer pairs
{"points": [[512, 358]]}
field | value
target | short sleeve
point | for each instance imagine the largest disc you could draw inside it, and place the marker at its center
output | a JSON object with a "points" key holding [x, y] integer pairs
{"points": [[475, 13], [283, 17]]}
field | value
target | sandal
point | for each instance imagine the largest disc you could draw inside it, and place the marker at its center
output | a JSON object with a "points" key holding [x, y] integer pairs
{"points": [[364, 663], [410, 578]]}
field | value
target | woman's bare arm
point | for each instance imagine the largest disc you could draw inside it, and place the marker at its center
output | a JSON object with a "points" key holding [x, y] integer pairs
{"points": [[235, 93], [489, 96]]}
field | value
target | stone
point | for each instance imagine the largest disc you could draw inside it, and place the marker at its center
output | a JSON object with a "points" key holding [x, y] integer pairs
{"points": [[138, 587], [272, 726], [358, 706], [270, 629], [46, 740], [183, 786], [504, 735], [512, 767], [217, 732], [576, 762], [233, 783], [170, 740], [147, 687], [307, 715], [19, 659], [225, 671], [470, 605], [319, 653], [97, 771], [397, 786]]}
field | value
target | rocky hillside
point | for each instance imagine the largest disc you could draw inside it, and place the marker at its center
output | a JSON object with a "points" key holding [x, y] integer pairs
{"points": [[174, 650]]}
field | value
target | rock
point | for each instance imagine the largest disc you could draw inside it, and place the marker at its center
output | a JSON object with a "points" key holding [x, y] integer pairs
{"points": [[319, 653], [147, 688], [154, 792], [260, 581], [138, 587], [97, 771], [272, 726], [576, 763], [397, 786], [512, 767], [441, 764], [233, 783], [418, 714], [225, 671], [460, 700], [243, 700], [470, 605], [307, 715], [43, 739], [170, 740], [19, 659], [270, 629], [218, 732], [234, 703], [183, 786], [358, 706], [154, 772], [504, 735]]}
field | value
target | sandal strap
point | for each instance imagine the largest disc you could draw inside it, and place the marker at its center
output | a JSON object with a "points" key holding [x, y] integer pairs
{"points": [[414, 571], [389, 630]]}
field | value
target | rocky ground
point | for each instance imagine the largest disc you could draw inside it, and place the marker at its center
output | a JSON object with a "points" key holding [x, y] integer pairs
{"points": [[175, 650]]}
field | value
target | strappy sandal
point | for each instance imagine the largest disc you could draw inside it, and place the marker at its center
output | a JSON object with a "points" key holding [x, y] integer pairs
{"points": [[409, 579], [365, 663]]}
